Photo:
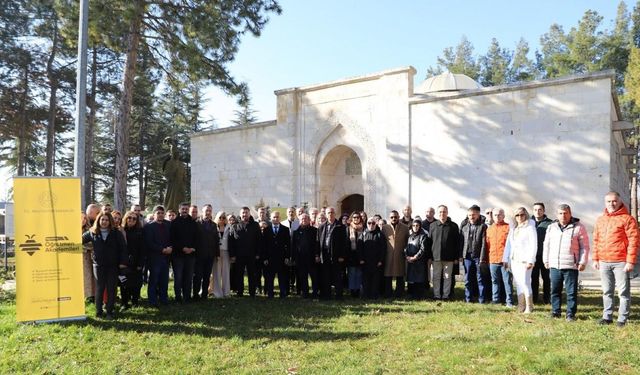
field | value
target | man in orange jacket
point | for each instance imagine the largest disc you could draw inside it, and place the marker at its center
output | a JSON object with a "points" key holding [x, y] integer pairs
{"points": [[615, 242]]}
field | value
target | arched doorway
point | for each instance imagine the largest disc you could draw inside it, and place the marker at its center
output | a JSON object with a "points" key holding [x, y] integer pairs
{"points": [[350, 203], [339, 178]]}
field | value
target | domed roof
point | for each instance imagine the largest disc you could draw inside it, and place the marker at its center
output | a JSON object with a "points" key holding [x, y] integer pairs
{"points": [[447, 82]]}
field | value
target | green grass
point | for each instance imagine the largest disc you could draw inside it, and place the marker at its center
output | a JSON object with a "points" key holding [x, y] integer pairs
{"points": [[244, 335]]}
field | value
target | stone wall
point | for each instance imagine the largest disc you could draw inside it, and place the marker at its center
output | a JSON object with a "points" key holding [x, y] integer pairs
{"points": [[512, 146]]}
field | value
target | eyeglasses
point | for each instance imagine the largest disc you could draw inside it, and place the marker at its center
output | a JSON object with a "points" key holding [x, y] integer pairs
{"points": [[371, 222]]}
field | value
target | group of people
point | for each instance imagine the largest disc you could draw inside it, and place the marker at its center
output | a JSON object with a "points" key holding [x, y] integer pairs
{"points": [[316, 254]]}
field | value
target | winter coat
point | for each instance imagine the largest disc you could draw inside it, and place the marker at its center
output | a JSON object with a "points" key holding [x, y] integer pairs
{"points": [[615, 237], [244, 239], [496, 241], [354, 259], [208, 240], [541, 231], [568, 247], [372, 247], [445, 241], [522, 244], [135, 247], [394, 263], [337, 243], [183, 233], [305, 246], [110, 252], [417, 246], [473, 244]]}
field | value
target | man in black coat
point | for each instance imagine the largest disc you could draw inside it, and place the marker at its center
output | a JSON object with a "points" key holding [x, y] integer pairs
{"points": [[306, 255], [243, 242], [446, 251], [208, 251], [184, 232], [158, 252], [332, 236], [276, 253], [372, 246]]}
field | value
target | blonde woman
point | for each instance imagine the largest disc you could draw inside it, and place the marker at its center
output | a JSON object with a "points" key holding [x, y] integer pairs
{"points": [[520, 256], [220, 277]]}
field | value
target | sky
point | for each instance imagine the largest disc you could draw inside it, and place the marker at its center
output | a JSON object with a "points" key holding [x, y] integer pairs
{"points": [[315, 41], [318, 41]]}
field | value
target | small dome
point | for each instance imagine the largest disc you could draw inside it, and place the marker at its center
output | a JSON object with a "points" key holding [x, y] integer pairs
{"points": [[447, 82]]}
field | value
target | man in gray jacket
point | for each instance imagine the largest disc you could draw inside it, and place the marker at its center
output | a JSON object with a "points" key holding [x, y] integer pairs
{"points": [[565, 253]]}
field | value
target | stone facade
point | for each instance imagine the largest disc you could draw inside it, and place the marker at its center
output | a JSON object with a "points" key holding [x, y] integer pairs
{"points": [[506, 146]]}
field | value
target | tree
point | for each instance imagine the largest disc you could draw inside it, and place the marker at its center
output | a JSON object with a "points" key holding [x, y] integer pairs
{"points": [[522, 68], [461, 60], [494, 66], [246, 114], [198, 37]]}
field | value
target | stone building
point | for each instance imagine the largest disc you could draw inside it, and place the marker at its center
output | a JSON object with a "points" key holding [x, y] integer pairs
{"points": [[374, 142]]}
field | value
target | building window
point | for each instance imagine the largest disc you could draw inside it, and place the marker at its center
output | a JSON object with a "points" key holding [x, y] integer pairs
{"points": [[352, 165]]}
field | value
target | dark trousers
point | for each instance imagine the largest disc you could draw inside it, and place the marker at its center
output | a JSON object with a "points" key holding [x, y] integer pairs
{"points": [[415, 290], [306, 271], [201, 275], [158, 280], [331, 274], [388, 287], [130, 289], [293, 275], [259, 274], [477, 281], [183, 277], [106, 278], [370, 282], [569, 278], [270, 272], [539, 270], [248, 263]]}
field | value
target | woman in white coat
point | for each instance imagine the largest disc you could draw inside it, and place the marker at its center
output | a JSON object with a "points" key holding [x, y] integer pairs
{"points": [[520, 256], [221, 283]]}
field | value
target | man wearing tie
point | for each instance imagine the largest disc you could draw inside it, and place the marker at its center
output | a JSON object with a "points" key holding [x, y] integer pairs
{"points": [[293, 224], [276, 254], [332, 236]]}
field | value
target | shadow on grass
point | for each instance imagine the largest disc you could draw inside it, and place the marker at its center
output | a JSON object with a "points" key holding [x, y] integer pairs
{"points": [[251, 318]]}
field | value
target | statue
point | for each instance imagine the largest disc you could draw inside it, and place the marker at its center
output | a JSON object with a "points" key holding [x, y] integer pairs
{"points": [[175, 173]]}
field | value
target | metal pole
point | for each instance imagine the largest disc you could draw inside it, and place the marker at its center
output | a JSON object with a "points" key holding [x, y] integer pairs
{"points": [[81, 98]]}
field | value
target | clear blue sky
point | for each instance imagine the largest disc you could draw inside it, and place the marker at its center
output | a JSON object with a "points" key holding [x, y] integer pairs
{"points": [[315, 41]]}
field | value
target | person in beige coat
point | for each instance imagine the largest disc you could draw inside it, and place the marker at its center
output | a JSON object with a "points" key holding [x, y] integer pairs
{"points": [[397, 235]]}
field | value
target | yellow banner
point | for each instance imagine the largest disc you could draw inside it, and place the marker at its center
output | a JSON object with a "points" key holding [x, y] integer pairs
{"points": [[48, 243]]}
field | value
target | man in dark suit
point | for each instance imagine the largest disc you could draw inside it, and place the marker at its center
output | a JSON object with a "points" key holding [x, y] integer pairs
{"points": [[332, 236], [183, 232], [306, 255], [277, 252], [158, 250], [208, 251], [292, 223], [243, 242]]}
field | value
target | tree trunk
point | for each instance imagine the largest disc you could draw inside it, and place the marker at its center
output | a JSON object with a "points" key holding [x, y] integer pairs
{"points": [[634, 185], [22, 133], [141, 172], [89, 135], [124, 112], [53, 89]]}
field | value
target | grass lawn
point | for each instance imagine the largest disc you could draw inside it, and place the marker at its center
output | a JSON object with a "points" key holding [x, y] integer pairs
{"points": [[244, 335]]}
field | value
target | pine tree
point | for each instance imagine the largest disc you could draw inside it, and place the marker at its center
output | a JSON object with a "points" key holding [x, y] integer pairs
{"points": [[494, 66]]}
